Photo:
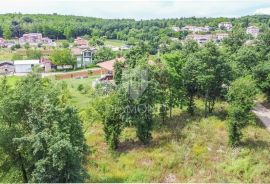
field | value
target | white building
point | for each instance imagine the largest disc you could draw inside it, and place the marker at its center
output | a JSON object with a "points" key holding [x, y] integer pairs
{"points": [[176, 29], [201, 39], [225, 25], [84, 57], [254, 31], [196, 29], [25, 66], [221, 36]]}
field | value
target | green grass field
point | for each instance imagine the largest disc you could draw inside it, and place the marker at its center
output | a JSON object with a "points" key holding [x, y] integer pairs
{"points": [[115, 43]]}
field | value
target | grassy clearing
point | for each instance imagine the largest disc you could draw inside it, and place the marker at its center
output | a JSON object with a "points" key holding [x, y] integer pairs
{"points": [[5, 54], [185, 149], [115, 43], [79, 99]]}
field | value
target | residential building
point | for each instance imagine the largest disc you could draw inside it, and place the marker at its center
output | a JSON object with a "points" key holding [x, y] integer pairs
{"points": [[25, 66], [126, 47], [196, 29], [201, 39], [253, 30], [6, 67], [34, 39], [225, 25], [47, 64], [84, 57], [108, 65], [176, 29], [221, 36], [80, 42]]}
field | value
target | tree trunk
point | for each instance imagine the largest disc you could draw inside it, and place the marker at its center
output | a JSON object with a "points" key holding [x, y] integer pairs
{"points": [[23, 170]]}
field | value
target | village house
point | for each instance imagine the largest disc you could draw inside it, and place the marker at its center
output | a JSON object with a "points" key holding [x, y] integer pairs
{"points": [[25, 66], [221, 36], [196, 29], [46, 64], [80, 42], [126, 47], [225, 25], [176, 29], [84, 57], [201, 39], [6, 67], [108, 68], [254, 31], [34, 39]]}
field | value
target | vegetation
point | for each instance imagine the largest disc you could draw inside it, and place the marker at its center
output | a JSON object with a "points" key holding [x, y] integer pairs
{"points": [[177, 112]]}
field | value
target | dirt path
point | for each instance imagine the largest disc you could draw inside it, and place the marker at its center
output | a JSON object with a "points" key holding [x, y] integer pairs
{"points": [[263, 114]]}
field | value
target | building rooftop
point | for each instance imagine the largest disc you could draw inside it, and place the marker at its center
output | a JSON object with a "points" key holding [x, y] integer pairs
{"points": [[25, 62], [108, 65]]}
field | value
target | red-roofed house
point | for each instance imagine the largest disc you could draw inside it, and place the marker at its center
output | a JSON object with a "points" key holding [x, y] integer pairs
{"points": [[108, 68]]}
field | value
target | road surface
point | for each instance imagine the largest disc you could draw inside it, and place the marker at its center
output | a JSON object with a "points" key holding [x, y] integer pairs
{"points": [[263, 114]]}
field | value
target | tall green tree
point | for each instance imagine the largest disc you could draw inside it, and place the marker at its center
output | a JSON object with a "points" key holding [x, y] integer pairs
{"points": [[45, 137], [241, 98], [62, 57], [7, 32], [213, 74]]}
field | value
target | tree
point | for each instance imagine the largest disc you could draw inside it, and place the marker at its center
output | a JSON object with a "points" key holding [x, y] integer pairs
{"points": [[212, 76], [33, 54], [190, 80], [62, 57], [246, 59], [241, 98], [7, 32], [45, 138], [235, 40], [261, 75], [174, 63], [104, 54], [118, 71], [137, 94], [110, 110]]}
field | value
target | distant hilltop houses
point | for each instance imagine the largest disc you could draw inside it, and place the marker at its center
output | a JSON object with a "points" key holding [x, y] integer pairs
{"points": [[225, 26], [33, 39], [253, 30], [202, 34], [196, 29]]}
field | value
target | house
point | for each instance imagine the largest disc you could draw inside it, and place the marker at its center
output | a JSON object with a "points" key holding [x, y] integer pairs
{"points": [[84, 57], [254, 31], [47, 64], [9, 43], [221, 36], [25, 66], [34, 39], [80, 42], [201, 39], [225, 25], [6, 67], [108, 66], [196, 29], [176, 29], [126, 47]]}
